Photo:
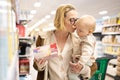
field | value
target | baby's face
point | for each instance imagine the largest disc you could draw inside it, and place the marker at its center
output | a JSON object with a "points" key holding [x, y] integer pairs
{"points": [[82, 30]]}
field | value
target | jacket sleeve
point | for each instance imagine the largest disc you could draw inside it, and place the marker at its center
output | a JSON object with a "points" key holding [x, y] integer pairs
{"points": [[35, 66], [84, 48], [87, 49]]}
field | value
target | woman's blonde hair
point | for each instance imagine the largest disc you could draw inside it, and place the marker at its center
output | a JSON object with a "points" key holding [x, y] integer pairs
{"points": [[61, 14]]}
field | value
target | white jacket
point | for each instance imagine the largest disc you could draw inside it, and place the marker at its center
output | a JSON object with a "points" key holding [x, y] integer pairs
{"points": [[58, 66]]}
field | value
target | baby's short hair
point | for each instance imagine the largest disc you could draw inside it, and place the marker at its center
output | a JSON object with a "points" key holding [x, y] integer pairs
{"points": [[88, 20]]}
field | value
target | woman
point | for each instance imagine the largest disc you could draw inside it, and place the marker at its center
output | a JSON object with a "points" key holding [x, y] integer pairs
{"points": [[58, 67]]}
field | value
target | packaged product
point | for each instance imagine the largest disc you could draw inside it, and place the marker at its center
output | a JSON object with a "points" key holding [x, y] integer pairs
{"points": [[46, 51]]}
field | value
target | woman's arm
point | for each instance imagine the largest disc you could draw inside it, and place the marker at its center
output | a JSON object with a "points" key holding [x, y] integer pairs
{"points": [[35, 66]]}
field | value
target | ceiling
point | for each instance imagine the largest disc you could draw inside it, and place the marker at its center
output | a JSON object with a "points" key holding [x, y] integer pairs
{"points": [[91, 7]]}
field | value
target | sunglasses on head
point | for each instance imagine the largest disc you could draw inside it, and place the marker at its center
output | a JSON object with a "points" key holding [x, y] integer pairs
{"points": [[73, 20]]}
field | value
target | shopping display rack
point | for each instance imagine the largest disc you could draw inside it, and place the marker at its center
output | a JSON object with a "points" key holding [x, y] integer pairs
{"points": [[102, 67]]}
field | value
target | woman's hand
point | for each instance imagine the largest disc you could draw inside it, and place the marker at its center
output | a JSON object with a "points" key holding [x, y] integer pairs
{"points": [[40, 61], [75, 67]]}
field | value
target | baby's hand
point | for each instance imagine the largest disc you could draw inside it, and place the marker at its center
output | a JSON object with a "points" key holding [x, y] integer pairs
{"points": [[92, 58], [75, 58], [40, 61], [75, 67]]}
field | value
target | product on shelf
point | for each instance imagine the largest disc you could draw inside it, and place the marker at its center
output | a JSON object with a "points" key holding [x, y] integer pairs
{"points": [[112, 20], [118, 22], [21, 30], [23, 66], [113, 28], [111, 39], [118, 39], [23, 47]]}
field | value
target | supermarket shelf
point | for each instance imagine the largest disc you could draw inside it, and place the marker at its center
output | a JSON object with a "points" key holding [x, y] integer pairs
{"points": [[112, 33], [111, 56], [23, 74], [109, 25], [25, 55], [108, 44], [25, 38], [109, 53]]}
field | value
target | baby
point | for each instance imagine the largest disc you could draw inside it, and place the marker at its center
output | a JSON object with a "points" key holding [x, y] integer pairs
{"points": [[83, 46]]}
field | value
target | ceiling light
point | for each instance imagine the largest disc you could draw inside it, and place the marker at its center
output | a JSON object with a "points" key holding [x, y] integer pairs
{"points": [[105, 17], [51, 24], [47, 16], [4, 3], [36, 29], [48, 29], [37, 4], [38, 23], [53, 12], [30, 17], [103, 12], [3, 11], [43, 20], [33, 12]]}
